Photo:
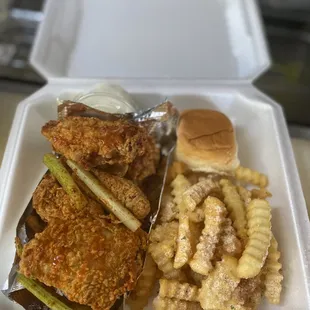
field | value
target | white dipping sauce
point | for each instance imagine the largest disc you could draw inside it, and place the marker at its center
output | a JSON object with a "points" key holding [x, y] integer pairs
{"points": [[108, 98]]}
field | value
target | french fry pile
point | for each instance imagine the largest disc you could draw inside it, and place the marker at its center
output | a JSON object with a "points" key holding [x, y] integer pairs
{"points": [[213, 243]]}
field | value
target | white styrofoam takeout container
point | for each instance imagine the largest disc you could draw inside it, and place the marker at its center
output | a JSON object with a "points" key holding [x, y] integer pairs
{"points": [[199, 54]]}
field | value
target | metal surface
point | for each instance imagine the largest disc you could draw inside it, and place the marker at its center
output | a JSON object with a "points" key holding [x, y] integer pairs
{"points": [[17, 32]]}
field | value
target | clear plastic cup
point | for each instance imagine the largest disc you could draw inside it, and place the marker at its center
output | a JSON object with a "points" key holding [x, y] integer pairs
{"points": [[108, 98]]}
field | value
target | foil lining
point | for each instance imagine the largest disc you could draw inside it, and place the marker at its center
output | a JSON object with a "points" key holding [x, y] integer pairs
{"points": [[161, 122]]}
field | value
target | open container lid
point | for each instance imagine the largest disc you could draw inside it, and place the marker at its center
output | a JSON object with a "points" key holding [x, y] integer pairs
{"points": [[155, 39]]}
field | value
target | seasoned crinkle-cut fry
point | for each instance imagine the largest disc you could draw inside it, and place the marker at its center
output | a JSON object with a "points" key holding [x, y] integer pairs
{"points": [[163, 255], [232, 306], [259, 217], [235, 207], [215, 212], [139, 297], [245, 194], [251, 176], [188, 237], [247, 294], [273, 277], [175, 289], [261, 193], [219, 285], [259, 231], [177, 167], [161, 303], [162, 249], [229, 242], [198, 192], [195, 277], [165, 232], [179, 185], [168, 208], [198, 215]]}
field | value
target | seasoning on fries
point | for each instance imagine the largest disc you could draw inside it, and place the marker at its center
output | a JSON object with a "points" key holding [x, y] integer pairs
{"points": [[234, 260]]}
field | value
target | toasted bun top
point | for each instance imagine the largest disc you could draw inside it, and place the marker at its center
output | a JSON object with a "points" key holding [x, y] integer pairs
{"points": [[206, 129], [206, 138]]}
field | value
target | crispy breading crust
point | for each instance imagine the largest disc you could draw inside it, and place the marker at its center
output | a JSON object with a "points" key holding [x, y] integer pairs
{"points": [[128, 193], [91, 261], [145, 165], [52, 202], [92, 142]]}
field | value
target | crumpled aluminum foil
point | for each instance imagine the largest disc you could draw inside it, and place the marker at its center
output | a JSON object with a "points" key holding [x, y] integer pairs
{"points": [[161, 122]]}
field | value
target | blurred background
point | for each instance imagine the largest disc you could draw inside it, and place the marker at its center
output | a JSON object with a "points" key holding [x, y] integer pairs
{"points": [[287, 25]]}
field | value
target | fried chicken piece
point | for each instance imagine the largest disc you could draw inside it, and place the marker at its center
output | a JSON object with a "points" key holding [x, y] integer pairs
{"points": [[145, 165], [91, 261], [52, 202], [92, 142], [128, 193]]}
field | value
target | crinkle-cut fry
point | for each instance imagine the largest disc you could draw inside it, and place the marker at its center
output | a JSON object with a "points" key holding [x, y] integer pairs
{"points": [[193, 177], [163, 254], [177, 167], [198, 215], [261, 193], [230, 305], [215, 213], [188, 237], [247, 294], [251, 176], [198, 192], [179, 185], [175, 289], [273, 277], [165, 232], [245, 194], [235, 207], [161, 303], [259, 231], [196, 278], [220, 284], [229, 242], [162, 249], [139, 297], [168, 209]]}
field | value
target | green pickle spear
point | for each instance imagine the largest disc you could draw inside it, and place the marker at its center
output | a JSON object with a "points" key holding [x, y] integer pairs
{"points": [[42, 294], [36, 289], [105, 196], [62, 175]]}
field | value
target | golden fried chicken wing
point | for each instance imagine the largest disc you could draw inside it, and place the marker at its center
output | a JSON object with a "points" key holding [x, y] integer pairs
{"points": [[128, 193], [91, 261], [92, 142], [146, 164], [52, 202]]}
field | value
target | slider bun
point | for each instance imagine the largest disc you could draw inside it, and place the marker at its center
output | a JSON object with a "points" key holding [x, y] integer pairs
{"points": [[206, 141]]}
